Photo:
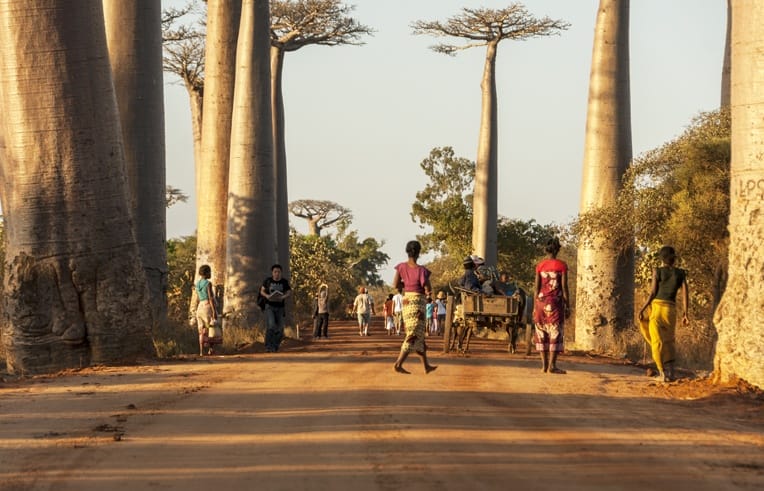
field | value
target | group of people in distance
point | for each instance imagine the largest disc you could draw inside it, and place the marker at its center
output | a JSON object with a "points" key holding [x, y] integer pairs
{"points": [[413, 312]]}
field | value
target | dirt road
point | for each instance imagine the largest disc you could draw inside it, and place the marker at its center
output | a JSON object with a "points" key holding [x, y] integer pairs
{"points": [[332, 415]]}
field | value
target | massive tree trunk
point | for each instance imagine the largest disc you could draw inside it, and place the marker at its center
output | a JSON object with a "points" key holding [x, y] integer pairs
{"points": [[134, 39], [605, 278], [484, 204], [280, 161], [726, 67], [251, 195], [75, 292], [212, 193], [739, 350]]}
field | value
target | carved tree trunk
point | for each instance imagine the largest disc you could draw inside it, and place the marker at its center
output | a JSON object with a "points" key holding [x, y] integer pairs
{"points": [[605, 278], [75, 292], [280, 161], [739, 350], [252, 201], [484, 204], [212, 192], [134, 39]]}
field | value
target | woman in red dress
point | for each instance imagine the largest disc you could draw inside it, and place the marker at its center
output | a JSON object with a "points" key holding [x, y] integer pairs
{"points": [[551, 307]]}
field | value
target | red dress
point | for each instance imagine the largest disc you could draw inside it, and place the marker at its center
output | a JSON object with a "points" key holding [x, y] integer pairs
{"points": [[549, 306]]}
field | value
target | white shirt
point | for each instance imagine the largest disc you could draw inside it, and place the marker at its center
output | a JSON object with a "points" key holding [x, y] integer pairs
{"points": [[397, 303]]}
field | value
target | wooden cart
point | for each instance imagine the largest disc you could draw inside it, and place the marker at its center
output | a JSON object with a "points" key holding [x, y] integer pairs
{"points": [[476, 311]]}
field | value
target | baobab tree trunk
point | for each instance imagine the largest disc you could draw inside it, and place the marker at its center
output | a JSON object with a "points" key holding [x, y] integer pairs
{"points": [[484, 204], [280, 161], [726, 66], [212, 193], [196, 99], [251, 201], [605, 277], [739, 350], [74, 292], [134, 39]]}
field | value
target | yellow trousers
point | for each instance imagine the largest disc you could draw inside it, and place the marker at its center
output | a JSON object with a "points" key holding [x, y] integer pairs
{"points": [[659, 331]]}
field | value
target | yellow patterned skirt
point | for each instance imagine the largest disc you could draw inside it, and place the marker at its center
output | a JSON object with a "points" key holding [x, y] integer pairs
{"points": [[414, 322]]}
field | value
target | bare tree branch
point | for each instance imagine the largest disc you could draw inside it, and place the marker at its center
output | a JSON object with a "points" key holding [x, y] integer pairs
{"points": [[298, 23], [320, 214], [184, 43], [483, 26]]}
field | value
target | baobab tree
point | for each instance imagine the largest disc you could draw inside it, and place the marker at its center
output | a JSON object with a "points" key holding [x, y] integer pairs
{"points": [[605, 278], [212, 171], [250, 247], [294, 25], [488, 27], [320, 214], [74, 290], [739, 350], [134, 40]]}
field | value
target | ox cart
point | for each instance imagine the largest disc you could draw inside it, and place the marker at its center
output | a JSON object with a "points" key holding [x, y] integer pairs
{"points": [[467, 312]]}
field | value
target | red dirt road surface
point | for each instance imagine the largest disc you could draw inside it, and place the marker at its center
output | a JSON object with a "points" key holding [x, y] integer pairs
{"points": [[333, 415]]}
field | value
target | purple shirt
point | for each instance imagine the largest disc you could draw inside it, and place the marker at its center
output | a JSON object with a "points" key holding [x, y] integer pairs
{"points": [[413, 279]]}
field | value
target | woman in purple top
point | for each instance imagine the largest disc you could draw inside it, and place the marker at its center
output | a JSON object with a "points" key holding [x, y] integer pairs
{"points": [[415, 282]]}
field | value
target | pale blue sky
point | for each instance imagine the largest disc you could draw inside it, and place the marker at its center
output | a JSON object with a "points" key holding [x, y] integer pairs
{"points": [[359, 119]]}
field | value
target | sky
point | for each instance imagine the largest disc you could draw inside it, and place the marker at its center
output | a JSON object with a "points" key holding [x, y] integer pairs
{"points": [[360, 119]]}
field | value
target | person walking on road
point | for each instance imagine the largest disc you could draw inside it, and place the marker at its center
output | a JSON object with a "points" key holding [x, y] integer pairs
{"points": [[321, 313], [206, 314], [551, 306], [414, 280], [275, 289], [363, 306], [398, 312], [658, 328]]}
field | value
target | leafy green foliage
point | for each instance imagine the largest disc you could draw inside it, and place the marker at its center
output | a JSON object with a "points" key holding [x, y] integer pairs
{"points": [[445, 204], [341, 265], [181, 265], [521, 244]]}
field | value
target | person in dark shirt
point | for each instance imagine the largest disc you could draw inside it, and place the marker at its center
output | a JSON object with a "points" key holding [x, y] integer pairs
{"points": [[469, 280], [658, 328], [275, 289]]}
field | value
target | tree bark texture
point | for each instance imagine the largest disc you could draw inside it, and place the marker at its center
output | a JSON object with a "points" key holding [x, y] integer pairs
{"points": [[251, 195], [75, 292], [212, 194], [605, 278], [280, 160], [134, 39], [740, 315], [484, 204]]}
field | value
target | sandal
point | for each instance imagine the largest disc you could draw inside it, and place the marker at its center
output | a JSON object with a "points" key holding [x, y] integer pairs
{"points": [[557, 370]]}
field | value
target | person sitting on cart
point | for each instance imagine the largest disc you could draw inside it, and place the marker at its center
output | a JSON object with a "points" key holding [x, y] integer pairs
{"points": [[469, 280]]}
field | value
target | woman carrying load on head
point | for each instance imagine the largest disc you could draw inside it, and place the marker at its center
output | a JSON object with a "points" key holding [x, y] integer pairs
{"points": [[414, 279], [658, 328]]}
